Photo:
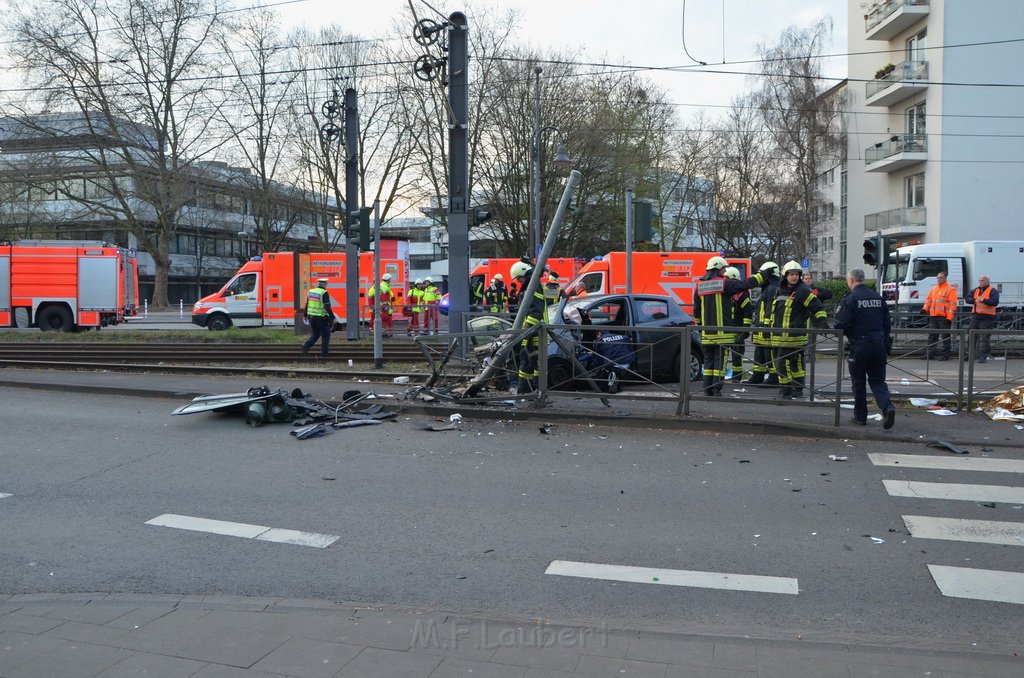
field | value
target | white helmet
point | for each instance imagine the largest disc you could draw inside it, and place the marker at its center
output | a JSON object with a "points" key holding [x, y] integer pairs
{"points": [[428, 281], [792, 266], [770, 267], [419, 281], [498, 276], [732, 272], [717, 263], [519, 269], [386, 277]]}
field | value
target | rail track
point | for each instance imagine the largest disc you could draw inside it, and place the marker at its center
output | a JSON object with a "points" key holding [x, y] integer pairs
{"points": [[204, 357]]}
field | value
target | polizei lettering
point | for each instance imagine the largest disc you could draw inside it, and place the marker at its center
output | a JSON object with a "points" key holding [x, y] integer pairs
{"points": [[869, 303]]}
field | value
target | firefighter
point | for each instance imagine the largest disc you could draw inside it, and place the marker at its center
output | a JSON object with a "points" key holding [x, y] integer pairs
{"points": [[496, 296], [984, 299], [553, 292], [530, 346], [415, 307], [763, 370], [476, 295], [387, 298], [741, 310], [431, 298], [793, 310], [320, 317], [713, 309], [940, 306]]}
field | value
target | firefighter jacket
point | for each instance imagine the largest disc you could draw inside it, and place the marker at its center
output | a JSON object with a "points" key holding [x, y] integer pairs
{"points": [[760, 314], [984, 300], [793, 310], [416, 300], [477, 294], [431, 295], [941, 302], [495, 297], [318, 303], [742, 309], [714, 307], [387, 297]]}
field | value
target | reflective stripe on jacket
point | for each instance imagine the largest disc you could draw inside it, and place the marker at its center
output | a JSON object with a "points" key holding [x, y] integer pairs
{"points": [[315, 306], [941, 302]]}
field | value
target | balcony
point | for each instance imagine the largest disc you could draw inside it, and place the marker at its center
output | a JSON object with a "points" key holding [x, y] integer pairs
{"points": [[891, 17], [897, 152], [905, 80], [900, 222]]}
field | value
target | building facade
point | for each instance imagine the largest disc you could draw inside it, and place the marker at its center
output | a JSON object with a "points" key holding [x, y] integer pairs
{"points": [[934, 124]]}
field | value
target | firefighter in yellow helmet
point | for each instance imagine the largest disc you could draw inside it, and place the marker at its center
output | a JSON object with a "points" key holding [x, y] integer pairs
{"points": [[793, 310]]}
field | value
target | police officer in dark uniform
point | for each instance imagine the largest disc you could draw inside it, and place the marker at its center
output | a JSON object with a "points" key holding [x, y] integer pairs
{"points": [[863, 317]]}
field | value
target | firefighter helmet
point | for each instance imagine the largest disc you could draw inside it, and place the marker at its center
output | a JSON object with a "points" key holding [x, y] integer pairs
{"points": [[717, 263], [386, 277], [498, 276], [732, 272], [552, 276], [419, 281], [770, 267], [428, 281], [792, 266], [519, 269]]}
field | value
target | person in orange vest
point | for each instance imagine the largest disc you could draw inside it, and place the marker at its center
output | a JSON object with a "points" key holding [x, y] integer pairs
{"points": [[940, 306], [984, 299], [387, 298]]}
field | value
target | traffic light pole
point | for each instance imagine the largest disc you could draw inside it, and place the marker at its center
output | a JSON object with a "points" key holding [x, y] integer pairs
{"points": [[458, 170], [351, 204]]}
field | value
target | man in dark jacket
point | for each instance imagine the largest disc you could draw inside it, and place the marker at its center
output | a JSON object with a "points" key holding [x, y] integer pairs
{"points": [[864, 318], [983, 299], [763, 371]]}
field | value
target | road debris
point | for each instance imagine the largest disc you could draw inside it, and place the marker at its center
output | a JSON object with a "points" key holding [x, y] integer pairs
{"points": [[836, 457], [423, 426], [955, 449]]}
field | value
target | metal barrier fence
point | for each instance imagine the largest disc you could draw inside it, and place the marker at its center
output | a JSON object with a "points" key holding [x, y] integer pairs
{"points": [[568, 366]]}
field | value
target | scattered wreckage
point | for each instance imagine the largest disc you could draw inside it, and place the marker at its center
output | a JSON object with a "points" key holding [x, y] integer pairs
{"points": [[1007, 406], [311, 416]]}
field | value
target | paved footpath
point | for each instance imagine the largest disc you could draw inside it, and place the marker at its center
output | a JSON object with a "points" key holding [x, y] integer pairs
{"points": [[97, 635]]}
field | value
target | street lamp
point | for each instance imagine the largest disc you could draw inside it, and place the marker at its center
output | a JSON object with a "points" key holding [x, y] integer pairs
{"points": [[561, 160]]}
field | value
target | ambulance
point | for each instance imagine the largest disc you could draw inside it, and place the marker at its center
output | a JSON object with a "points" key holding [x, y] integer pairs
{"points": [[270, 290], [671, 273], [63, 285]]}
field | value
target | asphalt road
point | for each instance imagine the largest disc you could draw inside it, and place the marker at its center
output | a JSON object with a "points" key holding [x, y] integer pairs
{"points": [[471, 519]]}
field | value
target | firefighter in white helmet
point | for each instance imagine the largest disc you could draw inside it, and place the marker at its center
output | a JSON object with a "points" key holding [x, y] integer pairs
{"points": [[794, 309], [536, 306]]}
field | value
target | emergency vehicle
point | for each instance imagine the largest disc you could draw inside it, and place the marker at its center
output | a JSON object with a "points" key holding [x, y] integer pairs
{"points": [[672, 273], [63, 285], [270, 290]]}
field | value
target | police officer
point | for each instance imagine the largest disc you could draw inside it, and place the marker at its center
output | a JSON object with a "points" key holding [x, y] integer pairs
{"points": [[320, 317], [863, 317]]}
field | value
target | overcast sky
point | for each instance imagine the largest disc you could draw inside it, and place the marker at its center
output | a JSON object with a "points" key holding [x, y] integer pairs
{"points": [[637, 32]]}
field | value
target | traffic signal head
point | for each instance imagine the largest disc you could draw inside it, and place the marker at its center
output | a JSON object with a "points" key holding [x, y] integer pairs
{"points": [[872, 252], [359, 227], [478, 216]]}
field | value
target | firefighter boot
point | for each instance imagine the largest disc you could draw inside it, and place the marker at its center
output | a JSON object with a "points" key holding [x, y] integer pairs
{"points": [[756, 379], [709, 385]]}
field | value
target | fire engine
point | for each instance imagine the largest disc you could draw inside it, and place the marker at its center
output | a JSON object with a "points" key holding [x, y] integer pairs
{"points": [[671, 273], [270, 289], [63, 285]]}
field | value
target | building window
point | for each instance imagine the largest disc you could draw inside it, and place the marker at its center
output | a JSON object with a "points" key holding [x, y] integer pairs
{"points": [[916, 119], [914, 190], [916, 46]]}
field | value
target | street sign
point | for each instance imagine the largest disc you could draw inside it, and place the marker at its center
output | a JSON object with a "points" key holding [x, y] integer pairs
{"points": [[805, 264]]}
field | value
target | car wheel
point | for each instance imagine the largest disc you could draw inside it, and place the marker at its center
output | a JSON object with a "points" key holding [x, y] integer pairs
{"points": [[559, 375], [218, 322], [696, 364]]}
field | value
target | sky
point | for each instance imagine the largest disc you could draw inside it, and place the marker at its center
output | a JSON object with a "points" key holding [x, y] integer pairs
{"points": [[636, 32]]}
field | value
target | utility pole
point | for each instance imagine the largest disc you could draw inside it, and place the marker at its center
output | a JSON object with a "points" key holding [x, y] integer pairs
{"points": [[458, 170], [629, 241], [351, 205]]}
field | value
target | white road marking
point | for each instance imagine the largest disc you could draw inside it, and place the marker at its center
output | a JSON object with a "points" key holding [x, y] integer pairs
{"points": [[959, 529], [968, 582], [244, 530], [653, 575], [990, 464], [956, 491], [4, 495]]}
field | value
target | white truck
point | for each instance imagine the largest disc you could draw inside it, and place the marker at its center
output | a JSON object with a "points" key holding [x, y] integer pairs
{"points": [[907, 280]]}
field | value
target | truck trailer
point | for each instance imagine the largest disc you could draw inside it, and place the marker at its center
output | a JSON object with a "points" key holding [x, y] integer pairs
{"points": [[62, 285], [270, 290]]}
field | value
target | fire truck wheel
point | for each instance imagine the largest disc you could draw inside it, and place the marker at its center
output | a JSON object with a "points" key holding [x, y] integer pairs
{"points": [[218, 322], [54, 319]]}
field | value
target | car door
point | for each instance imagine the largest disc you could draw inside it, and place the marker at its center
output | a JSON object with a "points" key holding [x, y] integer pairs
{"points": [[610, 312], [657, 351], [241, 299]]}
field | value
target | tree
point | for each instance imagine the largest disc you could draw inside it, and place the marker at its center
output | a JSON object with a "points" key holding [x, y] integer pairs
{"points": [[131, 79]]}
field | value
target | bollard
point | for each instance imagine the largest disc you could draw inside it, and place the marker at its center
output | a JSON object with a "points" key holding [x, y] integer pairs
{"points": [[145, 308], [181, 308]]}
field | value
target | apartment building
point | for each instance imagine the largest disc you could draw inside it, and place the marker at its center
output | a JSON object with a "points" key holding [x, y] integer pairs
{"points": [[935, 123]]}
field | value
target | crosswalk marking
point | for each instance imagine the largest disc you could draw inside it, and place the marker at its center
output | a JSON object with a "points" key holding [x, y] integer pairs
{"points": [[692, 578], [244, 530], [967, 582], [990, 464], [957, 491], [959, 529]]}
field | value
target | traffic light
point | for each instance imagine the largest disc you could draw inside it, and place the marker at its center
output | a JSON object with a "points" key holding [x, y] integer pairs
{"points": [[478, 216], [359, 229], [889, 253], [643, 217], [872, 252]]}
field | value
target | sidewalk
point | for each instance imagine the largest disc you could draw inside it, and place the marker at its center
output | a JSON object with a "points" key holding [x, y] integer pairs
{"points": [[128, 636]]}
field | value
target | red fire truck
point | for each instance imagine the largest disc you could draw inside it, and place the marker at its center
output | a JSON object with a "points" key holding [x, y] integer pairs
{"points": [[270, 289], [63, 285]]}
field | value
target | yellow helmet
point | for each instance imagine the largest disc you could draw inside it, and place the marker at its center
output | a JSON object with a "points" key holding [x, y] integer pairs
{"points": [[792, 266], [717, 263], [732, 272]]}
